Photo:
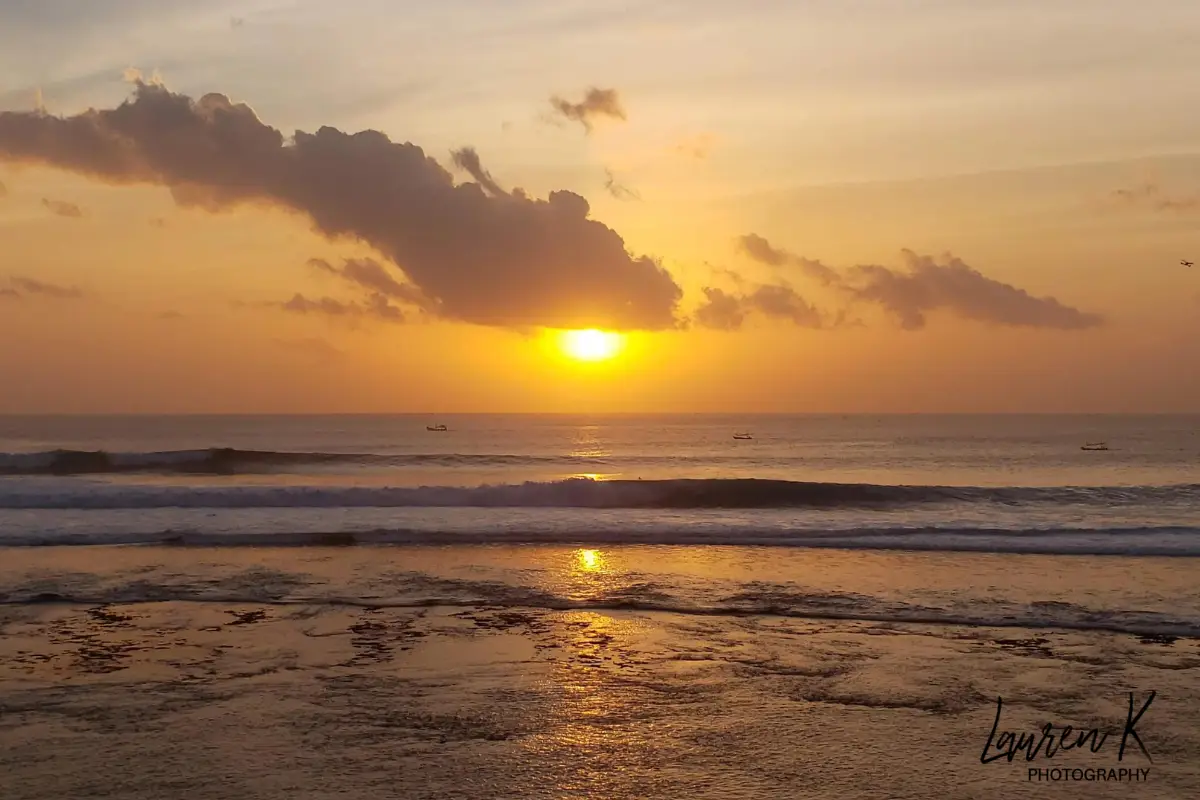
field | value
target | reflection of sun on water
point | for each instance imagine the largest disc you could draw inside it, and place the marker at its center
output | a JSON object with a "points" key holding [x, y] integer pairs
{"points": [[590, 560]]}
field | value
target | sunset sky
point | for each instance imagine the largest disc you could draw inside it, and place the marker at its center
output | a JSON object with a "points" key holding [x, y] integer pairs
{"points": [[811, 205]]}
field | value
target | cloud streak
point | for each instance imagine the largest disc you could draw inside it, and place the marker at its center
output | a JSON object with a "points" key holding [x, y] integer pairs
{"points": [[62, 208], [617, 190], [376, 307], [596, 104], [484, 256], [1152, 196], [20, 286], [369, 274], [926, 285]]}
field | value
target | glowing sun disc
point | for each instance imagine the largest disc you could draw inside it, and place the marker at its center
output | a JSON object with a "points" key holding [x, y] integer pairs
{"points": [[590, 345]]}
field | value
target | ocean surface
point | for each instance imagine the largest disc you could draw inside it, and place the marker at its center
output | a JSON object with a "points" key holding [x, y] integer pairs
{"points": [[618, 607], [938, 483]]}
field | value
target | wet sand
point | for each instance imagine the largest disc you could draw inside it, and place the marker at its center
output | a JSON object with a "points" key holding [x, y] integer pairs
{"points": [[243, 700]]}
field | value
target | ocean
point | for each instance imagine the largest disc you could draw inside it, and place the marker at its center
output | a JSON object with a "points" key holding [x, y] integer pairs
{"points": [[619, 606]]}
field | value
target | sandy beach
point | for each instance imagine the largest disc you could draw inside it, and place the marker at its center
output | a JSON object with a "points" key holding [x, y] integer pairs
{"points": [[325, 697]]}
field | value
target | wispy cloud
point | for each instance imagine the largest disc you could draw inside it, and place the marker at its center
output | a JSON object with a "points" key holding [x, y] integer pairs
{"points": [[1152, 196], [63, 208], [596, 103], [369, 274], [375, 307], [617, 190], [29, 286]]}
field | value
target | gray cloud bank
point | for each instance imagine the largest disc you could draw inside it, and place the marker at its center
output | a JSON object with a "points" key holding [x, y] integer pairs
{"points": [[923, 286], [475, 252]]}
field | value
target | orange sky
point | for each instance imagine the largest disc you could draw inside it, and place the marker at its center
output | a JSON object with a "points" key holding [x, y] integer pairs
{"points": [[847, 211]]}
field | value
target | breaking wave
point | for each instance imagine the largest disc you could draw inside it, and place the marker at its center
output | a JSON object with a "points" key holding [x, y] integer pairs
{"points": [[1159, 541], [586, 493], [233, 461]]}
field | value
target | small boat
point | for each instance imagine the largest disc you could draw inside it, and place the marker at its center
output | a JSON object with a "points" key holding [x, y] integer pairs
{"points": [[1094, 446], [437, 428], [742, 436]]}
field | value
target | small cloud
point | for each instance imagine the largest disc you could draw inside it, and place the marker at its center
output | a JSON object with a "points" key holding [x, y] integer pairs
{"points": [[31, 286], [318, 349], [375, 307], [596, 103], [1151, 196], [63, 208], [617, 190], [699, 147], [722, 310], [761, 251], [926, 285]]}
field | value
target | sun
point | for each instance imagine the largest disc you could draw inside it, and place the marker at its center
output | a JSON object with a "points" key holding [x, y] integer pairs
{"points": [[591, 344]]}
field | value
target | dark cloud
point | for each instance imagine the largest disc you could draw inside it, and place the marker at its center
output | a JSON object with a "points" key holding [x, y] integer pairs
{"points": [[926, 285], [929, 286], [504, 260], [596, 103], [720, 310], [728, 311], [761, 250], [63, 208], [376, 306], [617, 190], [782, 302], [30, 286], [1151, 196]]}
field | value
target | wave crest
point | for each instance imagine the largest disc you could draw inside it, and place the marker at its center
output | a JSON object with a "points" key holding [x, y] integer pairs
{"points": [[586, 493]]}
